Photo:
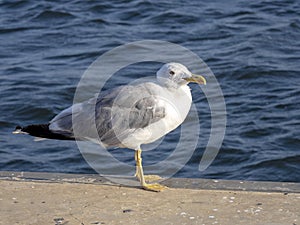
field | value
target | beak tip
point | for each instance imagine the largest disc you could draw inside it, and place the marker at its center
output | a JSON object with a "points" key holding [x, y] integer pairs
{"points": [[200, 79], [196, 79]]}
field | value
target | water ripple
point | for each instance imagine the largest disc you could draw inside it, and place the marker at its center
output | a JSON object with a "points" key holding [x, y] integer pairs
{"points": [[252, 47]]}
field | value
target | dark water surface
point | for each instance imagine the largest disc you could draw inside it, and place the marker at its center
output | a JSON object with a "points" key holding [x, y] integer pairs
{"points": [[253, 48]]}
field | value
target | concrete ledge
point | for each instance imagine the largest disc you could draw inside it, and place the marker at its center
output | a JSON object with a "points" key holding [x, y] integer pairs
{"points": [[187, 183], [46, 198]]}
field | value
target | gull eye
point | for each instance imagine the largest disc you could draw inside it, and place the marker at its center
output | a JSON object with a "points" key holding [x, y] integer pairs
{"points": [[171, 72]]}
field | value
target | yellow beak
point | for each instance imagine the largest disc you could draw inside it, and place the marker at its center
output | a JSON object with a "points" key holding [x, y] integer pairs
{"points": [[196, 79]]}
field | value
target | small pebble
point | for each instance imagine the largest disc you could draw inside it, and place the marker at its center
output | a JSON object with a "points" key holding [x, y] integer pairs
{"points": [[58, 220], [127, 210], [211, 217]]}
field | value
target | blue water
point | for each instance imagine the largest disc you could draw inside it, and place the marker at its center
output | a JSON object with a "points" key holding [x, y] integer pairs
{"points": [[251, 46]]}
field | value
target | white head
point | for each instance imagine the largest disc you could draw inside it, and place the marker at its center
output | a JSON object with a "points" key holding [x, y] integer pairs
{"points": [[175, 75]]}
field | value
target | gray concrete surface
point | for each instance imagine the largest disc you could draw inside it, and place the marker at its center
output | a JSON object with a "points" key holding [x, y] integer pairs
{"points": [[42, 198]]}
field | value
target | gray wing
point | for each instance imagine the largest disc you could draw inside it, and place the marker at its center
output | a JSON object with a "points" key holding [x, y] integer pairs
{"points": [[118, 113], [129, 109]]}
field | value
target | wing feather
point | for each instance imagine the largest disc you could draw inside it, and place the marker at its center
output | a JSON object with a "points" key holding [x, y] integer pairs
{"points": [[118, 112]]}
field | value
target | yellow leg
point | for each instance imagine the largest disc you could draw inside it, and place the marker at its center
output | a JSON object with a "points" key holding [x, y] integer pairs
{"points": [[148, 178], [140, 174]]}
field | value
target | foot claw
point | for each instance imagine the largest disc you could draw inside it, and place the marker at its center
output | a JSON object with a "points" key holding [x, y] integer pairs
{"points": [[154, 187]]}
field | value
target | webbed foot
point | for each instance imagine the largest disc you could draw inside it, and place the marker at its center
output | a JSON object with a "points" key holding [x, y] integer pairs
{"points": [[154, 187]]}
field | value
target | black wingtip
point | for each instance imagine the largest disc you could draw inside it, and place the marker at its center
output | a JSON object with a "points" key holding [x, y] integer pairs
{"points": [[18, 128], [42, 131]]}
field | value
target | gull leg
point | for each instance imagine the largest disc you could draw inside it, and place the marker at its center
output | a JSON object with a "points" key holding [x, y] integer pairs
{"points": [[136, 164], [149, 178], [140, 174]]}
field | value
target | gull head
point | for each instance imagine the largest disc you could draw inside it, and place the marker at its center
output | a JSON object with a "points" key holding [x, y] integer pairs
{"points": [[175, 75]]}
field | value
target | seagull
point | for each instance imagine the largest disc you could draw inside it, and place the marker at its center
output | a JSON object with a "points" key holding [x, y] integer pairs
{"points": [[127, 116]]}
